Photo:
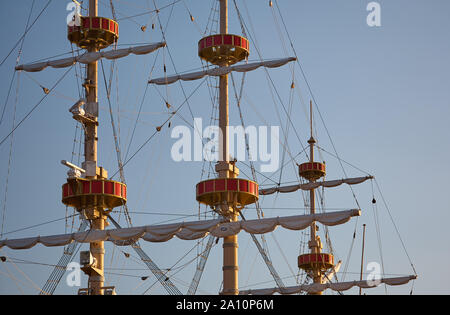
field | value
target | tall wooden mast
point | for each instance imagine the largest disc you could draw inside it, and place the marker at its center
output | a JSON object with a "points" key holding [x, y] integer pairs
{"points": [[93, 194], [230, 243], [95, 214], [227, 194], [314, 242], [315, 263]]}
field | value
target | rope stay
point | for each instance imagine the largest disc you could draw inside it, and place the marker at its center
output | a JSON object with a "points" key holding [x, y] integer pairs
{"points": [[59, 270]]}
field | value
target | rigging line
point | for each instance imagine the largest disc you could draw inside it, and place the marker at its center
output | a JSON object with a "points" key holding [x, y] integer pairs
{"points": [[263, 282], [264, 249], [240, 19], [241, 162], [17, 62], [209, 18], [78, 77], [10, 157], [180, 214], [67, 256], [36, 225], [131, 19], [7, 97], [212, 117], [69, 252], [355, 167], [277, 25], [240, 113], [135, 259], [152, 11], [14, 279], [140, 107], [286, 134], [180, 268], [327, 230], [72, 51], [147, 141], [273, 174], [26, 277], [170, 55], [192, 18], [270, 81], [26, 31], [350, 250], [314, 100], [378, 230], [116, 143], [29, 262], [282, 254], [113, 11], [214, 19], [118, 106], [35, 106], [395, 226]]}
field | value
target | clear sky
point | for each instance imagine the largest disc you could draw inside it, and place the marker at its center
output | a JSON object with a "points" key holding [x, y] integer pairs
{"points": [[383, 93]]}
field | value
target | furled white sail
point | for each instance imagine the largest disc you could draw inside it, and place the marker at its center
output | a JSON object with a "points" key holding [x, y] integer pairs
{"points": [[338, 286], [184, 230], [314, 185], [91, 57], [221, 71]]}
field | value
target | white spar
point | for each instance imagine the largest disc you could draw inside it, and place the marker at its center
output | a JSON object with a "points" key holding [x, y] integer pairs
{"points": [[90, 57], [338, 286], [184, 230], [220, 71], [314, 185]]}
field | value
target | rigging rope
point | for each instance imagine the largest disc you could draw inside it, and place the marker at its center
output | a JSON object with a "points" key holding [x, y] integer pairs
{"points": [[162, 125], [396, 228], [262, 249], [9, 159], [35, 106], [27, 29], [13, 123], [116, 143]]}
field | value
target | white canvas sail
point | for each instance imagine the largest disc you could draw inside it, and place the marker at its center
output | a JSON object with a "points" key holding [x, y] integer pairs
{"points": [[184, 230], [338, 286], [314, 185], [90, 57], [221, 71]]}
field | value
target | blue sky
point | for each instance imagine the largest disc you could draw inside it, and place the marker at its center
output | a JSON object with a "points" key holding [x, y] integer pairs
{"points": [[382, 93]]}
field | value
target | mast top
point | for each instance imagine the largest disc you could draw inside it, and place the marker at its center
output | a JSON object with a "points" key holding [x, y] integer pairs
{"points": [[223, 49], [93, 32], [311, 140]]}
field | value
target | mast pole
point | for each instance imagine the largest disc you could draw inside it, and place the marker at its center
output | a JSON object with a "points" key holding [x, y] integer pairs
{"points": [[227, 170], [314, 243], [95, 215]]}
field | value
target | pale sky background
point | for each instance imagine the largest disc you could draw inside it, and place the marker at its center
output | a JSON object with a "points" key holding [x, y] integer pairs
{"points": [[383, 93]]}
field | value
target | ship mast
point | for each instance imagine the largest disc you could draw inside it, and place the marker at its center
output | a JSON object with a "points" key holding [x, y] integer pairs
{"points": [[93, 195], [95, 215], [227, 194], [315, 263], [314, 242], [226, 170]]}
